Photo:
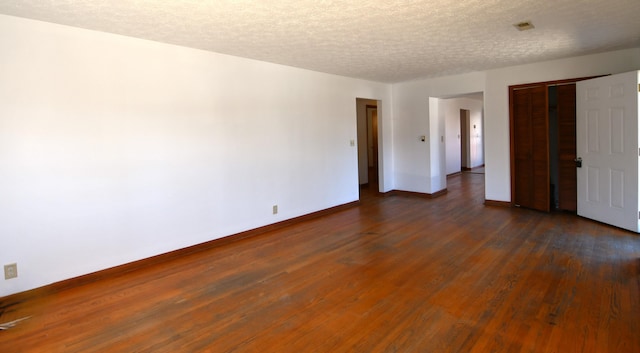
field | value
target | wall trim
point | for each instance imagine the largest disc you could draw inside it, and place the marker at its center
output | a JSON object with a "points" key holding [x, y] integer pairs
{"points": [[165, 257], [494, 203], [415, 194]]}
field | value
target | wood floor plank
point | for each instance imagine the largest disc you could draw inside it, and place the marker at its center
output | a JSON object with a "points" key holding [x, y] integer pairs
{"points": [[394, 274]]}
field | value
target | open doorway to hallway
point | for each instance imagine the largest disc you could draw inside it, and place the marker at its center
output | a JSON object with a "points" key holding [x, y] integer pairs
{"points": [[464, 130], [368, 144]]}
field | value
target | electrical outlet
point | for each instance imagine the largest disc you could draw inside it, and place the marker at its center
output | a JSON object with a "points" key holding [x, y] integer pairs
{"points": [[10, 271], [275, 209]]}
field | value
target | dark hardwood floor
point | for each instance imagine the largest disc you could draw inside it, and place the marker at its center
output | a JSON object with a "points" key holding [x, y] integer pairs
{"points": [[395, 274]]}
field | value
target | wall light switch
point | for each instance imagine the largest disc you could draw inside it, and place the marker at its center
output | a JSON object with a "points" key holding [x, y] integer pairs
{"points": [[423, 138], [353, 143]]}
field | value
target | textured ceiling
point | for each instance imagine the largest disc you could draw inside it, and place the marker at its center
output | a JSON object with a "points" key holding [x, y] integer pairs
{"points": [[380, 40]]}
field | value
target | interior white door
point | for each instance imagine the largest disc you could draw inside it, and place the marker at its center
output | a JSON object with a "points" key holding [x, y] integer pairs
{"points": [[607, 143]]}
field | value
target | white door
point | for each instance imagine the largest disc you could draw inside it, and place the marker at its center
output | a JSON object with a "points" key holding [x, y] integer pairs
{"points": [[607, 142]]}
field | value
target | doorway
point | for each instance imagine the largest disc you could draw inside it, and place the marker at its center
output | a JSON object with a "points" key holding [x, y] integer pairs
{"points": [[464, 132], [465, 164], [368, 144], [372, 144]]}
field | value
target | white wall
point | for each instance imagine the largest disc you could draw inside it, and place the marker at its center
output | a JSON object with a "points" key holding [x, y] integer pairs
{"points": [[476, 135], [114, 149], [451, 110], [410, 121], [437, 170]]}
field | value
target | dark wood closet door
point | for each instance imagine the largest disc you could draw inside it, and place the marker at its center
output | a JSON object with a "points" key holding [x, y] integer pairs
{"points": [[531, 147], [567, 188]]}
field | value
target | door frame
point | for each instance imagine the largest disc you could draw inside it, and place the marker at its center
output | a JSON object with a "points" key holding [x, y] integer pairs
{"points": [[513, 88], [363, 107], [369, 110], [465, 139]]}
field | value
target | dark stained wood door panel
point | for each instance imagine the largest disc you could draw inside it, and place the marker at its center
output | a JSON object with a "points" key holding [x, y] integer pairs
{"points": [[567, 188], [531, 147]]}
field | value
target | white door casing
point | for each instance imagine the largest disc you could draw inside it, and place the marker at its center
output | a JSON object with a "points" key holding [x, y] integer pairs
{"points": [[607, 143]]}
